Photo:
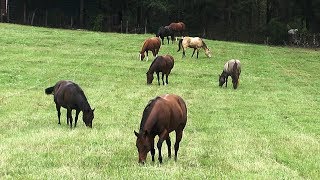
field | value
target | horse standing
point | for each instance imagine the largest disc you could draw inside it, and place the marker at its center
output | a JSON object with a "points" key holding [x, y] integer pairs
{"points": [[162, 64], [161, 116], [178, 27], [70, 96], [193, 42], [165, 32], [231, 68], [152, 44]]}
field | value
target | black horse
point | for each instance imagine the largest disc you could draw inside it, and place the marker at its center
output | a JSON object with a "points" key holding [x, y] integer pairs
{"points": [[70, 96], [165, 32]]}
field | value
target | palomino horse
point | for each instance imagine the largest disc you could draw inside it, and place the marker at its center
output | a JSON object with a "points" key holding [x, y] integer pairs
{"points": [[70, 96], [165, 32], [152, 44], [162, 64], [178, 27], [193, 42], [231, 68], [161, 116]]}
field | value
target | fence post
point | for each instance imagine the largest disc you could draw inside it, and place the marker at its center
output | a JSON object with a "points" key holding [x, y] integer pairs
{"points": [[121, 27], [145, 26], [127, 27]]}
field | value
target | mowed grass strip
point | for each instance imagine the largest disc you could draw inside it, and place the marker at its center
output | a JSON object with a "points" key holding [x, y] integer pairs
{"points": [[266, 129]]}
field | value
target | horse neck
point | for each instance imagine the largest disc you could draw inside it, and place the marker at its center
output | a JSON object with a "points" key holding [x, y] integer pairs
{"points": [[152, 66], [83, 103], [148, 117], [144, 48]]}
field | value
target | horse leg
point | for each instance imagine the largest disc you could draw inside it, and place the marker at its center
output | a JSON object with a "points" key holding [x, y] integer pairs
{"points": [[197, 53], [153, 151], [164, 135], [183, 52], [167, 75], [59, 113], [158, 78], [168, 141], [76, 118], [176, 145], [147, 55], [162, 78], [226, 81], [172, 38], [194, 50], [168, 39], [69, 116], [162, 38]]}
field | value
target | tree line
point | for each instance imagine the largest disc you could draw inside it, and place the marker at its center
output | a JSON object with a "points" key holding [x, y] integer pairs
{"points": [[256, 21]]}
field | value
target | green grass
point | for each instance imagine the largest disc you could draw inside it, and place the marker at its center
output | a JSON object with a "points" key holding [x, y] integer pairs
{"points": [[266, 129]]}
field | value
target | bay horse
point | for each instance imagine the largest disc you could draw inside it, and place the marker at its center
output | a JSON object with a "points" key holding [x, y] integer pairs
{"points": [[231, 68], [151, 44], [178, 27], [161, 116], [165, 32], [162, 64], [70, 96], [193, 42]]}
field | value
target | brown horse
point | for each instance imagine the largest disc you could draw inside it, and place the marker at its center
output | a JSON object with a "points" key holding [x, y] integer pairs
{"points": [[70, 96], [161, 116], [162, 64], [193, 42], [178, 27], [231, 68], [152, 44]]}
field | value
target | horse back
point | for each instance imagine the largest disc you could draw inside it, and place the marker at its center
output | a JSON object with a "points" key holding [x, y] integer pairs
{"points": [[68, 94], [178, 114], [229, 66], [151, 43]]}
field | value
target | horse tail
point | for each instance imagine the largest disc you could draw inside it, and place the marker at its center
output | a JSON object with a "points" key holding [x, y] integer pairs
{"points": [[49, 90], [180, 44]]}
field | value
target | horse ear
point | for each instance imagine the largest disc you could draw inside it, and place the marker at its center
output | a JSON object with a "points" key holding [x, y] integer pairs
{"points": [[137, 134], [93, 109]]}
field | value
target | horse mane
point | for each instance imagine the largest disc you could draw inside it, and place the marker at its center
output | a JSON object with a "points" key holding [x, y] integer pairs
{"points": [[153, 62], [204, 45], [147, 111]]}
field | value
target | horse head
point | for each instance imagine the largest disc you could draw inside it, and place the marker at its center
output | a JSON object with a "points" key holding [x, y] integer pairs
{"points": [[88, 116], [149, 77], [141, 56], [207, 52], [143, 145], [222, 79]]}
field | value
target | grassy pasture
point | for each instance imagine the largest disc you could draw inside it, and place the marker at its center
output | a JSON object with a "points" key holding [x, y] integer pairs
{"points": [[266, 129]]}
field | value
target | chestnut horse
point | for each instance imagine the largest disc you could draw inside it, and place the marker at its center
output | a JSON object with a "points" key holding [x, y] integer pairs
{"points": [[162, 64], [165, 32], [152, 44], [231, 68], [193, 42], [161, 116], [178, 27], [70, 96]]}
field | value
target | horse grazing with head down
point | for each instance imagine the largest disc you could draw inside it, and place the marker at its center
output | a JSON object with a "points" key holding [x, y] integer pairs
{"points": [[178, 27], [70, 96], [152, 44], [161, 116], [162, 64], [165, 32], [193, 42], [231, 68]]}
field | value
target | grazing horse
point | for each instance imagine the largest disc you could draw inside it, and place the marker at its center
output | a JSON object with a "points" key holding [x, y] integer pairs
{"points": [[178, 27], [231, 68], [152, 44], [161, 116], [70, 96], [165, 32], [162, 64], [193, 42]]}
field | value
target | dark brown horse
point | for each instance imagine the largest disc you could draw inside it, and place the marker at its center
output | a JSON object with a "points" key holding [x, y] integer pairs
{"points": [[162, 64], [231, 68], [161, 116], [165, 32], [70, 96], [178, 27], [152, 44]]}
